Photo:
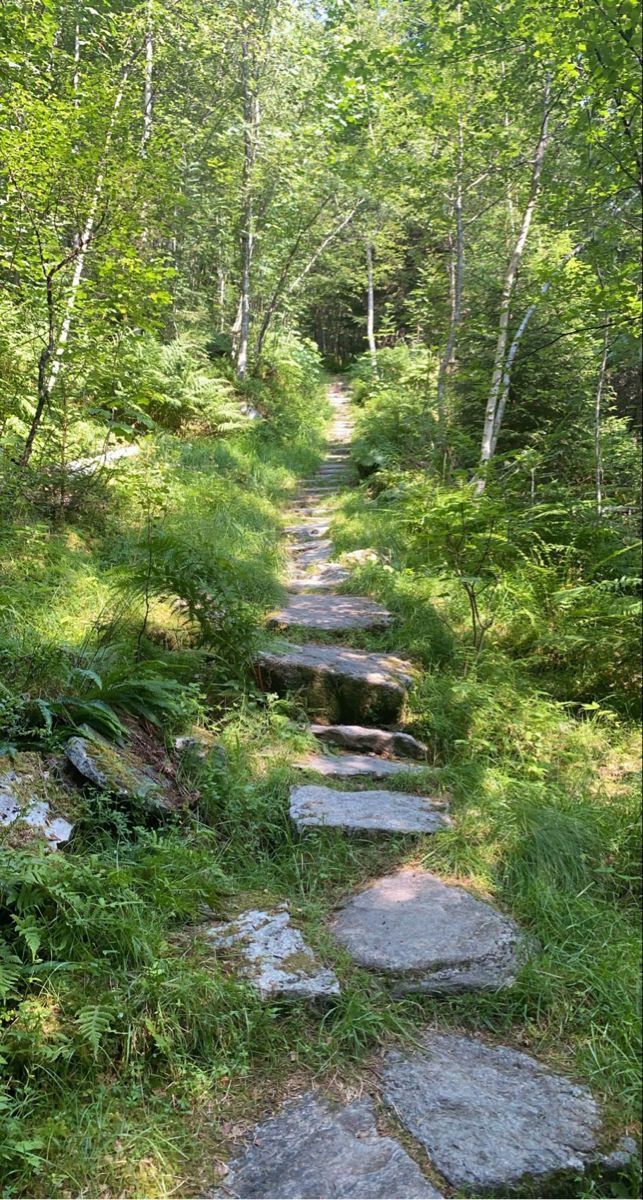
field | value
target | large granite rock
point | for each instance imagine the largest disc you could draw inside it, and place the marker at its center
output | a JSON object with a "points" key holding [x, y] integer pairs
{"points": [[341, 683], [377, 811], [34, 805], [331, 613], [363, 739], [118, 771], [429, 936], [347, 766], [274, 955], [490, 1118], [314, 1149]]}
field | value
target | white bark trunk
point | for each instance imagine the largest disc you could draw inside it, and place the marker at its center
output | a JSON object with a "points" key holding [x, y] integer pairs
{"points": [[456, 285], [320, 249], [598, 420], [490, 421], [85, 240], [148, 81], [370, 307], [76, 80], [251, 127]]}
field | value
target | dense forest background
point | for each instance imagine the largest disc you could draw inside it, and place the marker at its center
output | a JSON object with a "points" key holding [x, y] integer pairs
{"points": [[205, 211]]}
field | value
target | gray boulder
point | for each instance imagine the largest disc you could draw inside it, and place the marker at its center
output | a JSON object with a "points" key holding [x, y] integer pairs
{"points": [[363, 739], [375, 811], [274, 956], [315, 1149], [118, 771], [490, 1118], [340, 683], [430, 936]]}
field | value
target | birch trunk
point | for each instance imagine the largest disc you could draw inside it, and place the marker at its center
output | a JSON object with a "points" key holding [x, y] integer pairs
{"points": [[490, 422], [598, 419], [51, 360], [370, 308], [457, 278], [148, 81], [251, 125]]}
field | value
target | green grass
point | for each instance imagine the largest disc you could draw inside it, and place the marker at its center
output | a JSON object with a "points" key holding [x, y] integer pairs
{"points": [[131, 1057]]}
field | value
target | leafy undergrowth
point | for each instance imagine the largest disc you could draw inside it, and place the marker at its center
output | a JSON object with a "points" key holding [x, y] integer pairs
{"points": [[131, 1057]]}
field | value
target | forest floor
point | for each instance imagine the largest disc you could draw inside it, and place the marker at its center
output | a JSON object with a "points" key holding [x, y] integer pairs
{"points": [[192, 1057]]}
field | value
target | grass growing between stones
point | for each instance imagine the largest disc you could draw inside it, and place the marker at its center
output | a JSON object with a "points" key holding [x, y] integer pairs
{"points": [[133, 1055]]}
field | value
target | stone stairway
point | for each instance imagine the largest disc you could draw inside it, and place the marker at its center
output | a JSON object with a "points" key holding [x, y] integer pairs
{"points": [[469, 1117]]}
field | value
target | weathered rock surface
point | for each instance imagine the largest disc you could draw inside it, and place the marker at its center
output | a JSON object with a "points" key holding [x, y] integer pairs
{"points": [[30, 804], [325, 578], [358, 558], [275, 957], [374, 741], [309, 554], [117, 771], [347, 766], [332, 613], [315, 807], [313, 529], [430, 936], [314, 1149], [340, 682], [490, 1117]]}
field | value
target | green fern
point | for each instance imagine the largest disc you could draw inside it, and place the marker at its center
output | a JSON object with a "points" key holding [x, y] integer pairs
{"points": [[93, 1022]]}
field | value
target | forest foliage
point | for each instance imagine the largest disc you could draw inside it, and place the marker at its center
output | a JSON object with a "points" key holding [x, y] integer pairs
{"points": [[205, 209]]}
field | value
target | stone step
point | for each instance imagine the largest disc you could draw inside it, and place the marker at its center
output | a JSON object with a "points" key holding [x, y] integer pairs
{"points": [[347, 766], [314, 1148], [341, 683], [324, 579], [308, 554], [313, 529], [333, 613], [493, 1119], [430, 936], [378, 811], [274, 956], [371, 741]]}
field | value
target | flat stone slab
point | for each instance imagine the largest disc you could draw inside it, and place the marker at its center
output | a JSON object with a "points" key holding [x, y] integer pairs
{"points": [[431, 936], [313, 1149], [373, 741], [332, 613], [275, 957], [490, 1117], [343, 684], [387, 812], [313, 529], [347, 766], [325, 578], [309, 554], [30, 805]]}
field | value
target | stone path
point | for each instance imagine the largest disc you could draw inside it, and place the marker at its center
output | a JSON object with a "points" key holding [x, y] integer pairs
{"points": [[473, 1117]]}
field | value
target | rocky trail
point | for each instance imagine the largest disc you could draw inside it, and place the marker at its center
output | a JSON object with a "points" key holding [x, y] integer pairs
{"points": [[453, 1113], [471, 1117]]}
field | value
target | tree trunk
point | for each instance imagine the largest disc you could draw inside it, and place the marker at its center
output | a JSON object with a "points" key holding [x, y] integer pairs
{"points": [[51, 359], [598, 418], [457, 278], [490, 422], [370, 308], [251, 126], [148, 79]]}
